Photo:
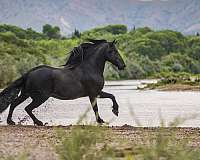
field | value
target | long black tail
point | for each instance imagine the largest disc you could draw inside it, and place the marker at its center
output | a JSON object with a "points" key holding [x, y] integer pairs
{"points": [[10, 93]]}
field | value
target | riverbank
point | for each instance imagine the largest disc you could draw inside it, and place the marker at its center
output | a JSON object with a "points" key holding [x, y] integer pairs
{"points": [[176, 82], [39, 142], [172, 87]]}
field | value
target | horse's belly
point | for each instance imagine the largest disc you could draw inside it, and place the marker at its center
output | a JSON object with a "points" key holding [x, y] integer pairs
{"points": [[67, 96], [69, 92]]}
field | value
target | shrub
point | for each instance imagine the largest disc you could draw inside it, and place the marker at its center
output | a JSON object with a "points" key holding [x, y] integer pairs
{"points": [[8, 70], [110, 73], [177, 67], [135, 71]]}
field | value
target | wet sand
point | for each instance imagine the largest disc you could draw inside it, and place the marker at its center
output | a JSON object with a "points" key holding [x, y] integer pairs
{"points": [[39, 142], [149, 107]]}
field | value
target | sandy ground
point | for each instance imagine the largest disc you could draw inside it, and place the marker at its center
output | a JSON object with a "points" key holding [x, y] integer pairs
{"points": [[38, 142]]}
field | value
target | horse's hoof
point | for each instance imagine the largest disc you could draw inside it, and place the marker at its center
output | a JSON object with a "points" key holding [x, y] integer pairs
{"points": [[38, 123], [10, 122], [115, 111], [100, 121]]}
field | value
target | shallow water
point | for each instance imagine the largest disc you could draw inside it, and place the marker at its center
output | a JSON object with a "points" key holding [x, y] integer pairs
{"points": [[149, 107]]}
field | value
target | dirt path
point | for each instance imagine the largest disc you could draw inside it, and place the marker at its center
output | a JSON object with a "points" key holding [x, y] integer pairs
{"points": [[39, 142]]}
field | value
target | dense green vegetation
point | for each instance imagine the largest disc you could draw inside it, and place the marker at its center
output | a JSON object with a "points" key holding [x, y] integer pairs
{"points": [[147, 53]]}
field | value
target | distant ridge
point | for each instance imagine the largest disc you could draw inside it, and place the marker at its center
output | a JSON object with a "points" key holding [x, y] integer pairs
{"points": [[181, 15]]}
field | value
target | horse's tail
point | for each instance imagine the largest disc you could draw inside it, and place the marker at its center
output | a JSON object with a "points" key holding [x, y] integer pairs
{"points": [[11, 92]]}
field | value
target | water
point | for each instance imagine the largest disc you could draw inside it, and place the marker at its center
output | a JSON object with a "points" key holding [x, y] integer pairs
{"points": [[149, 107]]}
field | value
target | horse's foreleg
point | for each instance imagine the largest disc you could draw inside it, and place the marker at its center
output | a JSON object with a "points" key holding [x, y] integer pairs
{"points": [[112, 97], [93, 101]]}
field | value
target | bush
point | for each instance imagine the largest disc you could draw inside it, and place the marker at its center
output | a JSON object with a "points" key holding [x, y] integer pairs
{"points": [[135, 71], [22, 33], [8, 37], [8, 70], [177, 67], [110, 73], [26, 63], [148, 66]]}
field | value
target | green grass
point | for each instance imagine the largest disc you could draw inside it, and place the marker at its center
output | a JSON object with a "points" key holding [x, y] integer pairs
{"points": [[83, 143]]}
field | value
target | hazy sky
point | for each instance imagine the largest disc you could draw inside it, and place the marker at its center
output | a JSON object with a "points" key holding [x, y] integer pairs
{"points": [[181, 15]]}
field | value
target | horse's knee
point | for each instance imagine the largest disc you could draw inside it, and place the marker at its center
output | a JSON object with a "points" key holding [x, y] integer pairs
{"points": [[112, 97], [28, 109]]}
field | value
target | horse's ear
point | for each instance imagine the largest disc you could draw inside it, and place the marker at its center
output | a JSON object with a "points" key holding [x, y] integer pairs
{"points": [[114, 42]]}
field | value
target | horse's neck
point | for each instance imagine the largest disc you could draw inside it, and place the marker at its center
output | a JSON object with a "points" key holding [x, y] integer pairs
{"points": [[96, 64]]}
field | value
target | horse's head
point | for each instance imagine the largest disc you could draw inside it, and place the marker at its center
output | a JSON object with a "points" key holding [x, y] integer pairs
{"points": [[106, 50], [112, 55]]}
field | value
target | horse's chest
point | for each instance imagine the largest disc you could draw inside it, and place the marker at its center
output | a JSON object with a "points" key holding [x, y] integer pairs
{"points": [[94, 85]]}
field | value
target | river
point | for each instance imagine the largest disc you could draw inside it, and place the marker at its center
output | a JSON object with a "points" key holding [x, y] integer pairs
{"points": [[137, 107]]}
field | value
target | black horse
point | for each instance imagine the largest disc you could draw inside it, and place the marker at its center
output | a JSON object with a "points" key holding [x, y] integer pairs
{"points": [[81, 76]]}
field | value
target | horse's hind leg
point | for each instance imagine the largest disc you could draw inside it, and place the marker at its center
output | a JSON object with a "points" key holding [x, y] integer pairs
{"points": [[14, 104], [34, 104]]}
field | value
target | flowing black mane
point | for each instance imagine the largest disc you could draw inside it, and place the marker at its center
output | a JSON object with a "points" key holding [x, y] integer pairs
{"points": [[77, 55]]}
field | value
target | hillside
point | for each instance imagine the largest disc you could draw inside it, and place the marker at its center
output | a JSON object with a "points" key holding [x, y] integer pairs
{"points": [[181, 15], [147, 53]]}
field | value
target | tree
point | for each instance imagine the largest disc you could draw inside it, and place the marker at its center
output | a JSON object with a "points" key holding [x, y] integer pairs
{"points": [[186, 63], [144, 30], [134, 28], [194, 52], [51, 32], [113, 29], [46, 28], [148, 47], [76, 34], [170, 41]]}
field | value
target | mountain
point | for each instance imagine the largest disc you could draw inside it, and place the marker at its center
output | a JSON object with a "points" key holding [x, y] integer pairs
{"points": [[180, 15]]}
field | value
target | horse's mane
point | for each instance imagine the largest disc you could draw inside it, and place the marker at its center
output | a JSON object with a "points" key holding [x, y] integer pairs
{"points": [[77, 55]]}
